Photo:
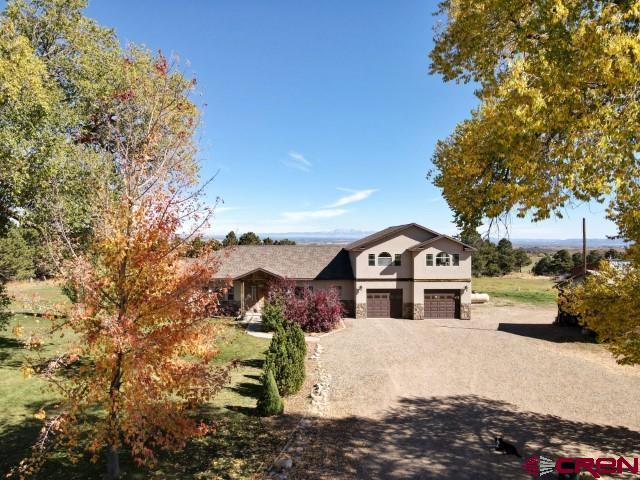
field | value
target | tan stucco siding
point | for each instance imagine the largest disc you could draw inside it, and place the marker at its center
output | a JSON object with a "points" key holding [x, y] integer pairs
{"points": [[464, 288], [361, 288], [347, 291], [422, 271], [346, 294], [398, 244]]}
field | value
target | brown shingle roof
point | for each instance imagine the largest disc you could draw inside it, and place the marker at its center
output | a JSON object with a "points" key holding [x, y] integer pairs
{"points": [[374, 237], [388, 232], [426, 243], [320, 262]]}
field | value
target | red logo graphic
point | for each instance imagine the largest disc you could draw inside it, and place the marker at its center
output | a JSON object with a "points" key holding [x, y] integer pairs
{"points": [[538, 466]]}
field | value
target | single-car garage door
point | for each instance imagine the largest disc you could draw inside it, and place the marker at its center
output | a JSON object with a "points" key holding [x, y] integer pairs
{"points": [[442, 304], [384, 303]]}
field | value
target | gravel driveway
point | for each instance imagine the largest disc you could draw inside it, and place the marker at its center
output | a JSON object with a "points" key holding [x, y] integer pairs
{"points": [[423, 399]]}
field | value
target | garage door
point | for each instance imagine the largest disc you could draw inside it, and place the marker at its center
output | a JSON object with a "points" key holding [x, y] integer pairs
{"points": [[384, 303], [378, 305], [440, 304]]}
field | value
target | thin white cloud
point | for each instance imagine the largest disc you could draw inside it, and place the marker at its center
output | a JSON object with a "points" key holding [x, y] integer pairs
{"points": [[297, 160], [314, 214], [225, 209], [354, 196]]}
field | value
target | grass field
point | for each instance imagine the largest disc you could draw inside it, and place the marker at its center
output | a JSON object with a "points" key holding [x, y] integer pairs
{"points": [[238, 449], [517, 288]]}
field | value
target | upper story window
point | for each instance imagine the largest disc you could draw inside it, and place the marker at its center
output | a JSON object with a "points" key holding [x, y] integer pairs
{"points": [[397, 259], [372, 259], [384, 259], [443, 260]]}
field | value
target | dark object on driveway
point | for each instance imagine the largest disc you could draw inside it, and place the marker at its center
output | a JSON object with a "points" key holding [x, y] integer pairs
{"points": [[505, 447]]}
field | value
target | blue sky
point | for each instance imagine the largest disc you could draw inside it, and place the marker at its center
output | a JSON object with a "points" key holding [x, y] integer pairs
{"points": [[320, 115]]}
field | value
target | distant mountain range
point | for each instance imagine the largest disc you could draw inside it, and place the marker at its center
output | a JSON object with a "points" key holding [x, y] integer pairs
{"points": [[546, 243], [349, 235]]}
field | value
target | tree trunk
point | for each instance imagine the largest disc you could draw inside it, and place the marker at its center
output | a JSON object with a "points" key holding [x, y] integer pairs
{"points": [[113, 463]]}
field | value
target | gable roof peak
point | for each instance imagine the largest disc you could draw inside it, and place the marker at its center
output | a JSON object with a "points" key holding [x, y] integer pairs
{"points": [[389, 231]]}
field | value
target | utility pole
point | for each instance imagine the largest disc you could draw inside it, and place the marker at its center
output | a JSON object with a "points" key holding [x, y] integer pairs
{"points": [[584, 245]]}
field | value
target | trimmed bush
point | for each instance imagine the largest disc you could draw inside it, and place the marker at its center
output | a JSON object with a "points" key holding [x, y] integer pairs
{"points": [[272, 316], [270, 403], [285, 358]]}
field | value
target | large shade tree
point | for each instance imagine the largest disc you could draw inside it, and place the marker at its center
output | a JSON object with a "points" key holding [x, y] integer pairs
{"points": [[98, 156], [55, 66], [557, 123], [141, 315], [559, 113]]}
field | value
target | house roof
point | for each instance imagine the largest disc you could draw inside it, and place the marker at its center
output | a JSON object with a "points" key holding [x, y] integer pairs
{"points": [[592, 268], [390, 231], [426, 243], [318, 262]]}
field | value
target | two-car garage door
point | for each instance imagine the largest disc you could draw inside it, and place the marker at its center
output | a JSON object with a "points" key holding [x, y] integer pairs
{"points": [[437, 303], [441, 304]]}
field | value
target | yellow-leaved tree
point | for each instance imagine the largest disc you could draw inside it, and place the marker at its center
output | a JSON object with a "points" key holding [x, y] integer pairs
{"points": [[558, 120], [142, 359]]}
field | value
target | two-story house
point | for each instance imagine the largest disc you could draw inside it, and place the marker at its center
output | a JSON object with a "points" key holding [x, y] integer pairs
{"points": [[406, 271]]}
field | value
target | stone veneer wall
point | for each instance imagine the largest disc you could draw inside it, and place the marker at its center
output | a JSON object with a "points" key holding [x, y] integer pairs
{"points": [[407, 310], [465, 311], [418, 311], [361, 310]]}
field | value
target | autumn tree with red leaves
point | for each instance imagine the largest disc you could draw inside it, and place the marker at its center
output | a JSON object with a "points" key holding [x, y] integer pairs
{"points": [[145, 342]]}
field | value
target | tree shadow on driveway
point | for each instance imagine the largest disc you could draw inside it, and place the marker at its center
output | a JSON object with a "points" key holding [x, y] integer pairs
{"points": [[451, 438], [548, 332]]}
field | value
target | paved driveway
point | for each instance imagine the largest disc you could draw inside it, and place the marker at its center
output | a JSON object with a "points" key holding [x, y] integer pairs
{"points": [[423, 399]]}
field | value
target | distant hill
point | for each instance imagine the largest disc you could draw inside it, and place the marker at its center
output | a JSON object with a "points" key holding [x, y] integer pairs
{"points": [[568, 243], [348, 236], [330, 237]]}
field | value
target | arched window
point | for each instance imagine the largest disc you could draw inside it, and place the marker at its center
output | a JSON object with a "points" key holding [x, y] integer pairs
{"points": [[384, 259], [443, 260]]}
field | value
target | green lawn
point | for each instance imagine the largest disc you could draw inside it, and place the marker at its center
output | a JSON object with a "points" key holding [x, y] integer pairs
{"points": [[238, 449], [36, 296], [517, 289]]}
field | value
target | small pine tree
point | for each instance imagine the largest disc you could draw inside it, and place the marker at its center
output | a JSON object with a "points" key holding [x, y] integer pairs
{"points": [[285, 358], [272, 316], [297, 350], [270, 403]]}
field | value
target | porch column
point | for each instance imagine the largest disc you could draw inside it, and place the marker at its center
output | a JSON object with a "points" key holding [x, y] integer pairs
{"points": [[242, 296]]}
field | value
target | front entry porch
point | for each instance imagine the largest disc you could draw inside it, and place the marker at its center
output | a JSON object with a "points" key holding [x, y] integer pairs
{"points": [[254, 287]]}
